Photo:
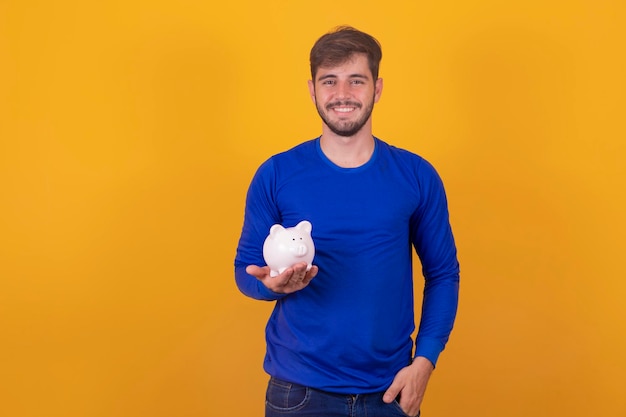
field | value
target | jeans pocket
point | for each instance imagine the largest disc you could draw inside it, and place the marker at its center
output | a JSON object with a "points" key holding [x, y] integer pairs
{"points": [[285, 396], [397, 405]]}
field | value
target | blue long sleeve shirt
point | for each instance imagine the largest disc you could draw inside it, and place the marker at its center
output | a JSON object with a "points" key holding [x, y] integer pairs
{"points": [[349, 330]]}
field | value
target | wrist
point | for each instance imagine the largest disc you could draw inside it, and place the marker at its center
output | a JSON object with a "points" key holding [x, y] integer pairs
{"points": [[423, 363]]}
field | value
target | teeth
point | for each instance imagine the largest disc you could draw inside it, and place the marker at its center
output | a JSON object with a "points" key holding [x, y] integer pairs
{"points": [[344, 109]]}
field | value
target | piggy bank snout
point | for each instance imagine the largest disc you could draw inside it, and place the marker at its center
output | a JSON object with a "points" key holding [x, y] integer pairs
{"points": [[299, 250]]}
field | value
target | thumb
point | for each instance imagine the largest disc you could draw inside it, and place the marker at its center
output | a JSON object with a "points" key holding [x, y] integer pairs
{"points": [[257, 271], [392, 392], [252, 269]]}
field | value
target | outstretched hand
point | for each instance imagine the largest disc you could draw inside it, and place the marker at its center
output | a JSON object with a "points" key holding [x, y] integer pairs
{"points": [[409, 386], [291, 280]]}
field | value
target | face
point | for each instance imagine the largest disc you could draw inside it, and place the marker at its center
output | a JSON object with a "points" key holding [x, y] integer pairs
{"points": [[345, 95]]}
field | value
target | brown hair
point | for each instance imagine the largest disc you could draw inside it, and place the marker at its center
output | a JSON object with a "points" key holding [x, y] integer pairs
{"points": [[338, 46]]}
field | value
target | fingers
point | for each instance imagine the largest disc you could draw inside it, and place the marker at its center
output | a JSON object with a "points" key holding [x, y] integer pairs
{"points": [[290, 280], [392, 392], [409, 386], [298, 272], [296, 277], [408, 403], [310, 274]]}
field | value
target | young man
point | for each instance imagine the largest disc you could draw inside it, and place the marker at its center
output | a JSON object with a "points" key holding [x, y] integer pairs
{"points": [[339, 338]]}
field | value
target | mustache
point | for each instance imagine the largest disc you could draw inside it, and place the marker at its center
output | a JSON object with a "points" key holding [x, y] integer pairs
{"points": [[343, 103]]}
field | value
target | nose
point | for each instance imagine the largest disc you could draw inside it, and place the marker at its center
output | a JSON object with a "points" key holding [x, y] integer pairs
{"points": [[343, 90], [299, 250]]}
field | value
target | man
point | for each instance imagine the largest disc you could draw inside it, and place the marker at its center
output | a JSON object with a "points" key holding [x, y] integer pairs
{"points": [[339, 338]]}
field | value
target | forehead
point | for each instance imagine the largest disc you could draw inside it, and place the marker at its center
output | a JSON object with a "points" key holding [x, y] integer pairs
{"points": [[355, 65]]}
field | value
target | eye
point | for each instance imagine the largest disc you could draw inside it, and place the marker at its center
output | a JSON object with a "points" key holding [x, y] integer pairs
{"points": [[357, 82], [328, 82]]}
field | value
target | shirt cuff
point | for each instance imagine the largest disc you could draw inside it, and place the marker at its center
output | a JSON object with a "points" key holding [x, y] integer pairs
{"points": [[428, 347]]}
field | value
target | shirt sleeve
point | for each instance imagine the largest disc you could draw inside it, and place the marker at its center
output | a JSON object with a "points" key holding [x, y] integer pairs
{"points": [[260, 214], [434, 243]]}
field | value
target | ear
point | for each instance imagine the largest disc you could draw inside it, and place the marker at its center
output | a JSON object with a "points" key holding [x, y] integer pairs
{"points": [[304, 225], [274, 230], [312, 90], [378, 89]]}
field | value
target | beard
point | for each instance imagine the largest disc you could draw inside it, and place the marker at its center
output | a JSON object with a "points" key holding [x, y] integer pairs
{"points": [[345, 128]]}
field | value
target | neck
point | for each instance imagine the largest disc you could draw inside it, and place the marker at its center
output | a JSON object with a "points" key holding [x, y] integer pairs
{"points": [[348, 151]]}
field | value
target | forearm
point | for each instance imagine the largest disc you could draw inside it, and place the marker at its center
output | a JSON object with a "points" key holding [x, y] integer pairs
{"points": [[438, 315]]}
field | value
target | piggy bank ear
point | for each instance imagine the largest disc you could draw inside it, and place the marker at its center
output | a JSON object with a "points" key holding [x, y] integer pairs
{"points": [[274, 230], [304, 225]]}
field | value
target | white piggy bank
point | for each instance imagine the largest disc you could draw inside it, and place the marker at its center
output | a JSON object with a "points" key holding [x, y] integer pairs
{"points": [[285, 247]]}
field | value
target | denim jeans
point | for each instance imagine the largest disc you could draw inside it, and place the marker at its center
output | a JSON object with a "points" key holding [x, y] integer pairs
{"points": [[285, 399]]}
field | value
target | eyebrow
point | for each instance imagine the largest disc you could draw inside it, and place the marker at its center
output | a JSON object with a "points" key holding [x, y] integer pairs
{"points": [[327, 76]]}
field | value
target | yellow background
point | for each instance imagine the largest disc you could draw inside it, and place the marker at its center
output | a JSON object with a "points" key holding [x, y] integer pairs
{"points": [[129, 131]]}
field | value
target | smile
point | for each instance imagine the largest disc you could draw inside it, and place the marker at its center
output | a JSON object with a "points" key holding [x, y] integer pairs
{"points": [[344, 109]]}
